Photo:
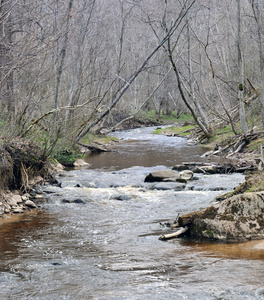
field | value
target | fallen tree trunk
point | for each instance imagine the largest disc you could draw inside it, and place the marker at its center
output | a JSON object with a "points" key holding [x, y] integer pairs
{"points": [[95, 148]]}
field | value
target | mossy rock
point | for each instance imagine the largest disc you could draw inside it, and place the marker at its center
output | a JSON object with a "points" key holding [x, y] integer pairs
{"points": [[238, 218]]}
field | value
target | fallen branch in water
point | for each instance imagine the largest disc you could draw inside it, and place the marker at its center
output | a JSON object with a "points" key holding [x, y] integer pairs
{"points": [[174, 234]]}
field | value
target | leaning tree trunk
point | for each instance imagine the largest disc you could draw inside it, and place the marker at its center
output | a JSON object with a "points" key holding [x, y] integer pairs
{"points": [[207, 131]]}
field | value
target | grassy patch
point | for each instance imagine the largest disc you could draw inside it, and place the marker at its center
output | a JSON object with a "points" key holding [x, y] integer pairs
{"points": [[67, 157], [100, 139], [181, 131], [254, 145], [152, 117]]}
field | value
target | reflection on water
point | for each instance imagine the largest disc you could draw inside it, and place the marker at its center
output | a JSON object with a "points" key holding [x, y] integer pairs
{"points": [[140, 147], [109, 249], [246, 250]]}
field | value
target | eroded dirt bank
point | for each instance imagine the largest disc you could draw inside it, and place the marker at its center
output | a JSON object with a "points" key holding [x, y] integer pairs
{"points": [[22, 167]]}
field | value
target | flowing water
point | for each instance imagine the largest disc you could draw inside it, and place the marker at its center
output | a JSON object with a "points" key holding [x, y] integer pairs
{"points": [[106, 245]]}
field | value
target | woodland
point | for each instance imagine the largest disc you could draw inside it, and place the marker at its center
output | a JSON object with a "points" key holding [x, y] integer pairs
{"points": [[72, 67]]}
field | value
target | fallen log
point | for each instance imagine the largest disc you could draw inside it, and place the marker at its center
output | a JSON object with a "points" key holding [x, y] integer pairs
{"points": [[197, 164], [174, 234], [95, 148]]}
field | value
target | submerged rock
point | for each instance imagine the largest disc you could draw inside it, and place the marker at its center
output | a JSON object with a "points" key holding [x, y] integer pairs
{"points": [[176, 186], [238, 218], [76, 201], [122, 197]]}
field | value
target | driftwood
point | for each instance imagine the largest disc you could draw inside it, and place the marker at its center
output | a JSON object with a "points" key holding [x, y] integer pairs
{"points": [[174, 234], [95, 148], [194, 164], [225, 168]]}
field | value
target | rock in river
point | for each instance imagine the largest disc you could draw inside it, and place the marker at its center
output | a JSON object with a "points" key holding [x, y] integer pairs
{"points": [[186, 174], [162, 175], [30, 204], [238, 218], [176, 186]]}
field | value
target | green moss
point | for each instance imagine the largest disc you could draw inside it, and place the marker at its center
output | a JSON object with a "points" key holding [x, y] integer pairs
{"points": [[67, 157], [181, 180], [210, 213], [255, 144], [100, 139], [226, 217], [209, 233]]}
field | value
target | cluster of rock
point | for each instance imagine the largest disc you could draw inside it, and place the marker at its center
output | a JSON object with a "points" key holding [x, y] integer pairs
{"points": [[177, 178], [236, 218], [169, 179], [15, 203]]}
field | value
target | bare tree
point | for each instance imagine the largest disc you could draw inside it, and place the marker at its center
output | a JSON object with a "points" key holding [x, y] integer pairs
{"points": [[241, 73], [258, 19], [7, 65]]}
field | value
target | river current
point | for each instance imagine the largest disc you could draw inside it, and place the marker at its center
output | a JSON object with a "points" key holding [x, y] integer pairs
{"points": [[106, 246]]}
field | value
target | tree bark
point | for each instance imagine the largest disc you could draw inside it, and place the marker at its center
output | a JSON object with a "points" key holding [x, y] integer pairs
{"points": [[6, 58], [242, 113], [257, 16]]}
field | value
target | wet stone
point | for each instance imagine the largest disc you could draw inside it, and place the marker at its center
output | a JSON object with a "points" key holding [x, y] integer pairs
{"points": [[30, 204], [122, 197], [38, 190], [176, 186], [18, 210], [180, 168], [77, 201], [161, 175], [17, 198], [11, 202], [186, 174], [25, 197]]}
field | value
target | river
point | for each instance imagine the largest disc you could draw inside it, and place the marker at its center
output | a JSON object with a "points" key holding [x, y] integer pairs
{"points": [[107, 246]]}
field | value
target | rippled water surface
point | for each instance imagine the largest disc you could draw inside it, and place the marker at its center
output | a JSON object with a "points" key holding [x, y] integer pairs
{"points": [[108, 247]]}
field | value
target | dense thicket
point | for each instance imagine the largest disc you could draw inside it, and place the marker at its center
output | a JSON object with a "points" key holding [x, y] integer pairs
{"points": [[67, 67]]}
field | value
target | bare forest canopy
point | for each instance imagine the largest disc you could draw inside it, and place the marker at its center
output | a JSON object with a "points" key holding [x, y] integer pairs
{"points": [[71, 66]]}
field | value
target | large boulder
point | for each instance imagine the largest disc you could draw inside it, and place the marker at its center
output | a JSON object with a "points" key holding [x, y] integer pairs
{"points": [[238, 218], [162, 175]]}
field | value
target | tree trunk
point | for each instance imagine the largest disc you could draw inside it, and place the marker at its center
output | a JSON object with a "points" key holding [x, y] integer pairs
{"points": [[257, 16], [84, 130], [242, 113], [6, 59], [208, 133], [62, 54]]}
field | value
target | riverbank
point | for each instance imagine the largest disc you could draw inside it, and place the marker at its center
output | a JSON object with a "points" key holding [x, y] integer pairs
{"points": [[24, 162], [23, 168], [110, 232], [238, 215]]}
